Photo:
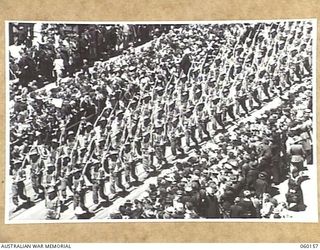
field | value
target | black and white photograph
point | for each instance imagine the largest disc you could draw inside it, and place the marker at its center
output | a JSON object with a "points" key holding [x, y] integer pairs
{"points": [[161, 121]]}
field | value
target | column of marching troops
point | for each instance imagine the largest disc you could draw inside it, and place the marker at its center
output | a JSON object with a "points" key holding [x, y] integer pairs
{"points": [[168, 98]]}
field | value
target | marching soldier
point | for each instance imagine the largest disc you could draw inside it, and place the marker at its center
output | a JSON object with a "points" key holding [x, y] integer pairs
{"points": [[116, 171], [230, 107], [54, 151], [99, 149], [212, 102], [242, 98], [128, 159], [265, 82], [190, 127], [159, 145], [139, 138], [119, 122], [78, 186], [175, 136], [115, 142], [254, 93], [202, 119], [49, 177], [18, 186], [36, 173], [147, 153], [98, 177], [219, 115], [65, 177], [53, 205]]}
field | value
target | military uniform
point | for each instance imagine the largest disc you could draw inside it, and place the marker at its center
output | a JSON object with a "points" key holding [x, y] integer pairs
{"points": [[79, 190], [241, 98], [65, 177], [18, 186], [49, 177], [219, 115], [176, 132], [230, 107], [254, 93], [159, 147], [203, 119], [116, 171], [190, 130], [147, 153], [98, 177], [53, 207], [36, 173]]}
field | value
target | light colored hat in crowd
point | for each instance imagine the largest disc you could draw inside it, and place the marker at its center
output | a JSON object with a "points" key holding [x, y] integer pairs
{"points": [[187, 51], [195, 178], [170, 210], [70, 132], [307, 111], [17, 98], [149, 212], [297, 139], [210, 190], [54, 140], [50, 190], [246, 193], [237, 199], [188, 188], [179, 206]]}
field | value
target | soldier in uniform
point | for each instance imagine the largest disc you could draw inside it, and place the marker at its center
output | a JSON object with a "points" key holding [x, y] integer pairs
{"points": [[176, 132], [36, 173], [203, 119], [120, 121], [190, 127], [49, 177], [219, 114], [18, 186], [241, 98], [127, 158], [147, 153], [116, 140], [116, 170], [230, 107], [184, 100], [98, 177], [99, 149], [212, 100], [78, 187], [139, 139], [54, 150], [53, 205], [65, 177], [265, 82], [158, 144], [254, 92]]}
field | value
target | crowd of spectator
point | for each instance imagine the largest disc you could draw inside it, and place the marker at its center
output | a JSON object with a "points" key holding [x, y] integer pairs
{"points": [[59, 50]]}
